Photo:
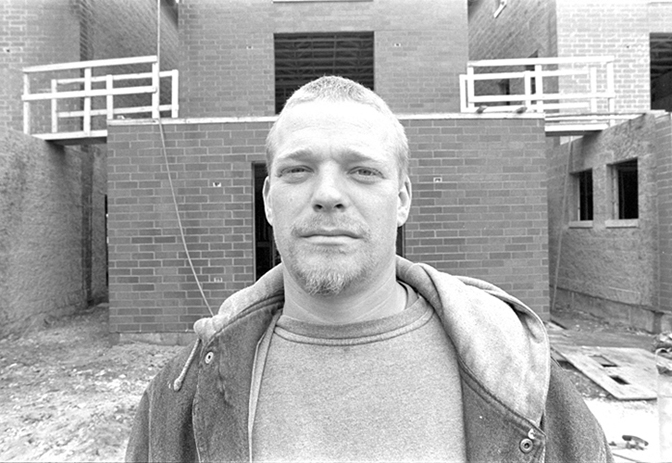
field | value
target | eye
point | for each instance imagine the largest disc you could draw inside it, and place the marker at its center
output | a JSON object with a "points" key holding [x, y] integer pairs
{"points": [[366, 173], [293, 172]]}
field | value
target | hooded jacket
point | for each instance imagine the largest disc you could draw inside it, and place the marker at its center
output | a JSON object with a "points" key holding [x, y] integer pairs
{"points": [[517, 404]]}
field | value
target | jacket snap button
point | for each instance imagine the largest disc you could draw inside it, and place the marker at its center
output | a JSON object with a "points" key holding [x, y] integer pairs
{"points": [[208, 358], [526, 445]]}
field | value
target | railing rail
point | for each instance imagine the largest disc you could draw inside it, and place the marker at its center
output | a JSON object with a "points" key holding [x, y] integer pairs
{"points": [[547, 85], [99, 89]]}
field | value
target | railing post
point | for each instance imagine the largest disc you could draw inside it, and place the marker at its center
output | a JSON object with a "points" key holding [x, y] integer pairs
{"points": [[470, 87], [174, 97], [87, 101], [155, 96], [539, 86], [463, 93], [54, 107], [527, 89], [109, 101], [26, 104]]}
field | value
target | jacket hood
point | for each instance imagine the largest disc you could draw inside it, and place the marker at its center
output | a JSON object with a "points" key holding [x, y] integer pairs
{"points": [[501, 343]]}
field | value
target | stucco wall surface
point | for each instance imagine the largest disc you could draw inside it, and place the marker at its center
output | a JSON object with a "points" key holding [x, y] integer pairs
{"points": [[40, 231]]}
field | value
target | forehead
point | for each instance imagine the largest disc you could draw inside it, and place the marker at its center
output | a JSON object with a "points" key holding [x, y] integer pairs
{"points": [[340, 123]]}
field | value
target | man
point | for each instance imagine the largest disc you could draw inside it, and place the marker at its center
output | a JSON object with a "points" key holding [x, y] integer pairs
{"points": [[346, 352]]}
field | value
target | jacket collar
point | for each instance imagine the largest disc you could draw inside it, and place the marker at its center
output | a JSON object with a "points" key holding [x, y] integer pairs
{"points": [[500, 342]]}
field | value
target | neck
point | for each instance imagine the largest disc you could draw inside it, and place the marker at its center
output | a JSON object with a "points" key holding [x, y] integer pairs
{"points": [[385, 298]]}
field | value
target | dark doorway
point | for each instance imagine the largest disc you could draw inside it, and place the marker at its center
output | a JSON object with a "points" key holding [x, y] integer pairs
{"points": [[266, 256]]}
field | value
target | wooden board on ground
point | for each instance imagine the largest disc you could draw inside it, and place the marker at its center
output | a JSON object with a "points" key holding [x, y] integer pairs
{"points": [[626, 373]]}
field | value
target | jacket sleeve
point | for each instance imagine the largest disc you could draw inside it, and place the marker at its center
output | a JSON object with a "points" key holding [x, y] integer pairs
{"points": [[162, 428], [572, 432]]}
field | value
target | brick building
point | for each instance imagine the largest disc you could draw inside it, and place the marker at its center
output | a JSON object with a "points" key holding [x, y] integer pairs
{"points": [[609, 195], [478, 181], [53, 198]]}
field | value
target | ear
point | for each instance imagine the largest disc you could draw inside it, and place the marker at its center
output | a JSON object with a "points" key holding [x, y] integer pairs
{"points": [[404, 201], [267, 201]]}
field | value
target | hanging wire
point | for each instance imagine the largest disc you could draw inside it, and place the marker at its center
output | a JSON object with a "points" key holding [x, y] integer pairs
{"points": [[165, 158], [177, 214]]}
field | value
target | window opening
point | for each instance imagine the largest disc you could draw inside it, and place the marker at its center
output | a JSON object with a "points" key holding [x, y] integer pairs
{"points": [[266, 255], [302, 57], [584, 194], [660, 46], [625, 190]]}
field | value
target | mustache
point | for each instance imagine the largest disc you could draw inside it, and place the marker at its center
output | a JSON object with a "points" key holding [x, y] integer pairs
{"points": [[316, 223]]}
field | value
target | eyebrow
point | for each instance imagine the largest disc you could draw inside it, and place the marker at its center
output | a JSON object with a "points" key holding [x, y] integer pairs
{"points": [[350, 155]]}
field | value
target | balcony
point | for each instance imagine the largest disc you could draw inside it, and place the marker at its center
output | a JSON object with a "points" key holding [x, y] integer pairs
{"points": [[70, 103], [576, 95]]}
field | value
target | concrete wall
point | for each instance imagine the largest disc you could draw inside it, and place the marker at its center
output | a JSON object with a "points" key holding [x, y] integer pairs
{"points": [[44, 193], [227, 66], [479, 209], [662, 146], [606, 266]]}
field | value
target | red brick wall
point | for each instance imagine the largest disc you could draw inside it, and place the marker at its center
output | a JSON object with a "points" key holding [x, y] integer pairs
{"points": [[227, 66], [479, 209]]}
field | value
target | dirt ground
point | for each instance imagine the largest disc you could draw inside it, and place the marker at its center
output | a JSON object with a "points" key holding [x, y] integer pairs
{"points": [[67, 394]]}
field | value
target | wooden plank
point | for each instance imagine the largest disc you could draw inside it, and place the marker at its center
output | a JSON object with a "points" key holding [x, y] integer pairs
{"points": [[626, 373]]}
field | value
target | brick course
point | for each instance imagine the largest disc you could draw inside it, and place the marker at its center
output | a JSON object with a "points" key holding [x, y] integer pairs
{"points": [[479, 209]]}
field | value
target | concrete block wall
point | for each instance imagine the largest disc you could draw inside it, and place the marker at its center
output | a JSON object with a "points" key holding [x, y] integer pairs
{"points": [[43, 231], [228, 60], [619, 29], [662, 146], [479, 209], [607, 267]]}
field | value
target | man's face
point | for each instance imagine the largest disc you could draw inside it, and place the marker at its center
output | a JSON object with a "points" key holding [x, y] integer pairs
{"points": [[333, 196]]}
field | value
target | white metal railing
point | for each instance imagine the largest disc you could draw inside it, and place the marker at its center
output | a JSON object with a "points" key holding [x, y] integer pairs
{"points": [[582, 84], [98, 89]]}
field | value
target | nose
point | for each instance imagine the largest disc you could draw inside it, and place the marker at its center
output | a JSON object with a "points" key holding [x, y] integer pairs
{"points": [[328, 195]]}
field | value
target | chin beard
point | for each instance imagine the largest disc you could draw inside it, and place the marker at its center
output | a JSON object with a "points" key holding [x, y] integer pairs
{"points": [[326, 282], [329, 275]]}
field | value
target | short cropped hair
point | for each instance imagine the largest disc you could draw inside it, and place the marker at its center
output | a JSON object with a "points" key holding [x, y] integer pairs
{"points": [[340, 89]]}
